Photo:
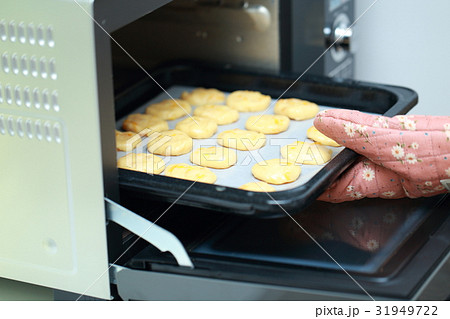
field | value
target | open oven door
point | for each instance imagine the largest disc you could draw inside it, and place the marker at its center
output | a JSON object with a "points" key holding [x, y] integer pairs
{"points": [[56, 98]]}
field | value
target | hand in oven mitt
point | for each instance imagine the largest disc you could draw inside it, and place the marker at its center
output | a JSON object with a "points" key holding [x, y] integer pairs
{"points": [[405, 156]]}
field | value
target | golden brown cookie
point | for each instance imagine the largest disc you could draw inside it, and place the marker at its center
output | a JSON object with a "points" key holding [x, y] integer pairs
{"points": [[242, 140], [197, 127], [202, 96], [257, 187], [221, 114], [127, 141], [319, 137], [214, 157], [296, 109], [169, 109], [306, 153], [144, 124], [267, 123], [170, 143], [147, 163], [276, 171], [248, 101], [192, 173]]}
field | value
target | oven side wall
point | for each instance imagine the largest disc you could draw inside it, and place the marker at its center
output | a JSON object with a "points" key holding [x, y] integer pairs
{"points": [[51, 182]]}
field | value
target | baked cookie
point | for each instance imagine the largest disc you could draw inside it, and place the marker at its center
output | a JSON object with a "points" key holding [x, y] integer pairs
{"points": [[248, 101], [127, 141], [257, 187], [147, 163], [144, 124], [192, 173], [169, 143], [306, 153], [202, 96], [267, 123], [221, 114], [276, 171], [319, 137], [197, 127], [296, 109], [169, 109], [214, 157], [242, 140]]}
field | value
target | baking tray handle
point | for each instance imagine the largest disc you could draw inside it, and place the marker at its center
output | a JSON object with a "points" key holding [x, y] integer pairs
{"points": [[152, 233]]}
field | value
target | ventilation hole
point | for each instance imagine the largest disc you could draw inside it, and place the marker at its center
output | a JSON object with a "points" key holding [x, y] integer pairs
{"points": [[15, 64], [40, 35], [17, 96], [24, 65], [30, 33], [45, 100], [1, 94], [11, 129], [50, 41], [29, 129], [2, 125], [36, 101], [8, 94], [3, 31], [38, 130], [21, 32], [12, 31], [52, 69], [27, 97], [33, 66], [55, 104], [5, 62], [57, 133], [48, 132], [43, 68], [20, 127]]}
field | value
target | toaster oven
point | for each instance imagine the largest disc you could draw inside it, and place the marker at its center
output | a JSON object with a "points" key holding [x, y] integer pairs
{"points": [[70, 70]]}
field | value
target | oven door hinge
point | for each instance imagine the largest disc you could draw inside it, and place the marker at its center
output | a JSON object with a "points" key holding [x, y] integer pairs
{"points": [[152, 233], [113, 271]]}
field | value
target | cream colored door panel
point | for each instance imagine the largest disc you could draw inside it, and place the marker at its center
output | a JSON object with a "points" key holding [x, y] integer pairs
{"points": [[52, 218]]}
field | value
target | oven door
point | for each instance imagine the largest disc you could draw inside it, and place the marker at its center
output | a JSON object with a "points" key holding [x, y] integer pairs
{"points": [[52, 84]]}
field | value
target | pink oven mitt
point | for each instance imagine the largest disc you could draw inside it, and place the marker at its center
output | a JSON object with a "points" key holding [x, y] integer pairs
{"points": [[405, 156]]}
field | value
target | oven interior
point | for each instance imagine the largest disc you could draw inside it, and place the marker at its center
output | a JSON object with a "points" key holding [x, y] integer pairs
{"points": [[236, 247]]}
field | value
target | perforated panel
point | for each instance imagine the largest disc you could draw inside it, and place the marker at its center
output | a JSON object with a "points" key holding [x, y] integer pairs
{"points": [[26, 33], [32, 128], [20, 89]]}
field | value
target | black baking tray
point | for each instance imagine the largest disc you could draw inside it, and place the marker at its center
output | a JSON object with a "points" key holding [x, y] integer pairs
{"points": [[367, 97]]}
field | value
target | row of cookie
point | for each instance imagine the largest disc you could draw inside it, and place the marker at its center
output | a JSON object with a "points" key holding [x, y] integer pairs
{"points": [[208, 101], [175, 142], [201, 127], [275, 171], [252, 101], [152, 164]]}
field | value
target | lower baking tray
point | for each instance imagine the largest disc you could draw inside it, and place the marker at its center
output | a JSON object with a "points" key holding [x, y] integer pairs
{"points": [[367, 97]]}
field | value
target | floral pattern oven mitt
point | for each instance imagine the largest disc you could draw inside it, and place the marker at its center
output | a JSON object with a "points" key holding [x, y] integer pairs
{"points": [[405, 156]]}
